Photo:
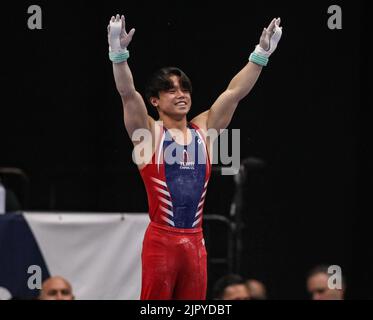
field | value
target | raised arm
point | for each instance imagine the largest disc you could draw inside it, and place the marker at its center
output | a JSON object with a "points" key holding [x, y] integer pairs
{"points": [[220, 114], [134, 109]]}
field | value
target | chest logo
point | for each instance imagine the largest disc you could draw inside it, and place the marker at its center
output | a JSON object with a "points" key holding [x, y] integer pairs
{"points": [[186, 163]]}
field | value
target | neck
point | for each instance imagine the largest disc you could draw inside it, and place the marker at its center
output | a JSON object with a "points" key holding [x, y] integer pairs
{"points": [[171, 123]]}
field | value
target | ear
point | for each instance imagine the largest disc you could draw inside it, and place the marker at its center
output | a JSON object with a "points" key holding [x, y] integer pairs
{"points": [[154, 101]]}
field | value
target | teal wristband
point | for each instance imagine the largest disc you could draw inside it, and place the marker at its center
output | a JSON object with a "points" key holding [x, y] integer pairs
{"points": [[118, 57], [258, 59]]}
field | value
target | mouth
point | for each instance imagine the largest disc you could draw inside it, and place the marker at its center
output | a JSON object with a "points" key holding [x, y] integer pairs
{"points": [[181, 104]]}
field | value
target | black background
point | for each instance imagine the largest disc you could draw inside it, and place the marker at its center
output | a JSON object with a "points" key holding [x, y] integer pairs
{"points": [[61, 121]]}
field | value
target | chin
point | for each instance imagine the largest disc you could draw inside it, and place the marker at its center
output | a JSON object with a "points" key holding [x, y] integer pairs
{"points": [[183, 110]]}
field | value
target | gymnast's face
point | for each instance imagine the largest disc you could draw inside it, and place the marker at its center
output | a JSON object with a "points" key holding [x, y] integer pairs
{"points": [[174, 102]]}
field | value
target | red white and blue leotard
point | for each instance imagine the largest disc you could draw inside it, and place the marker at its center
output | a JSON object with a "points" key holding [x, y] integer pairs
{"points": [[174, 255]]}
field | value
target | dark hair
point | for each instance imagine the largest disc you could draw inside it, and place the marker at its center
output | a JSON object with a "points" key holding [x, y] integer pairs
{"points": [[160, 81], [224, 282]]}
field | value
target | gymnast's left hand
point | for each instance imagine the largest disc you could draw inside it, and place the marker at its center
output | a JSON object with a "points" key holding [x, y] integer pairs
{"points": [[270, 37]]}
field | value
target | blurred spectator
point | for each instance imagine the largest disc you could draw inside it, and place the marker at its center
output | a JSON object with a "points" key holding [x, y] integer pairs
{"points": [[257, 289], [56, 288], [231, 287], [317, 285]]}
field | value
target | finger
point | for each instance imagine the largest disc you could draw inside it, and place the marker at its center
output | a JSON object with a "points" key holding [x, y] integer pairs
{"points": [[271, 25], [112, 19], [277, 29], [278, 21], [108, 28], [277, 35], [117, 18], [262, 40], [131, 33], [263, 35], [123, 23]]}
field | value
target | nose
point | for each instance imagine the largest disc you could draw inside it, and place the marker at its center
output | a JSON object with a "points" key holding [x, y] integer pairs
{"points": [[59, 295], [180, 93]]}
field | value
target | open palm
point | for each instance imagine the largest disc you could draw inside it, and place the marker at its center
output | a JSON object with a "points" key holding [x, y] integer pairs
{"points": [[271, 35], [117, 30]]}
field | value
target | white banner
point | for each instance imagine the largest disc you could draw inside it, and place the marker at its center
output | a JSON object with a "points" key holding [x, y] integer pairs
{"points": [[99, 254]]}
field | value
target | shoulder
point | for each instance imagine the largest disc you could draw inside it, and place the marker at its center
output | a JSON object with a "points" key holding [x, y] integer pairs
{"points": [[200, 121], [150, 142]]}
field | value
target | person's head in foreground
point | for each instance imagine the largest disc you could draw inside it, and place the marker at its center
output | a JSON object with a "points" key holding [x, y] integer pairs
{"points": [[318, 285], [257, 289], [231, 287], [56, 288]]}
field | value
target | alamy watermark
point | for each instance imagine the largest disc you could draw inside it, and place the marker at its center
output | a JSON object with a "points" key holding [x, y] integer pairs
{"points": [[335, 20], [35, 20], [187, 156], [335, 277], [35, 280]]}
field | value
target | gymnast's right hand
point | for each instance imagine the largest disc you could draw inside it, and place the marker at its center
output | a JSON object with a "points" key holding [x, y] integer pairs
{"points": [[118, 38]]}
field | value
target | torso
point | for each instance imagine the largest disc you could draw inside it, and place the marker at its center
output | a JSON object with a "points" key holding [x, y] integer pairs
{"points": [[176, 179]]}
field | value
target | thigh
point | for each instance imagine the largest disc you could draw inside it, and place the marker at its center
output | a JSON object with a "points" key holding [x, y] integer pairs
{"points": [[191, 283], [158, 267]]}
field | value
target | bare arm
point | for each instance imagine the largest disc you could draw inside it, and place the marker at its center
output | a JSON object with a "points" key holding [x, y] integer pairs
{"points": [[134, 109], [135, 113], [221, 112]]}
